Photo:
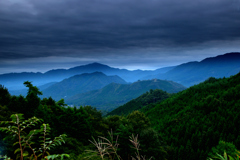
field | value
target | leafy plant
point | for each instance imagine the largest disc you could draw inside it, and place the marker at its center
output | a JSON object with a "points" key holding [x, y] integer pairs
{"points": [[224, 157], [21, 129], [224, 148], [4, 157]]}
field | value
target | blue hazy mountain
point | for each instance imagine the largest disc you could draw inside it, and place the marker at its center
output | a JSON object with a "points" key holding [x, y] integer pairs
{"points": [[187, 74], [192, 73], [80, 84], [14, 81], [114, 95]]}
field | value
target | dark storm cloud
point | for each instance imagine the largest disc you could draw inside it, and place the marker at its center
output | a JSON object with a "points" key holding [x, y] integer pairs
{"points": [[90, 28]]}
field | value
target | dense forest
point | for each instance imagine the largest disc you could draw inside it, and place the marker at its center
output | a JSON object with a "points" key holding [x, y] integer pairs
{"points": [[152, 97], [195, 120], [79, 124], [193, 124]]}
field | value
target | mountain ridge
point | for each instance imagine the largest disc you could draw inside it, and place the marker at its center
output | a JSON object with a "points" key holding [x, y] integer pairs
{"points": [[14, 81], [79, 84], [194, 72], [114, 95], [188, 74]]}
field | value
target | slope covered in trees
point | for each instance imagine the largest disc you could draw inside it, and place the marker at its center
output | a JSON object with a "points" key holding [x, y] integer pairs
{"points": [[113, 95], [194, 120], [151, 97], [192, 124], [79, 124]]}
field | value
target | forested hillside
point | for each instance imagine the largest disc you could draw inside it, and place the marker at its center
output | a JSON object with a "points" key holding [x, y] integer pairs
{"points": [[80, 84], [195, 123], [79, 124], [114, 95], [151, 97], [194, 120]]}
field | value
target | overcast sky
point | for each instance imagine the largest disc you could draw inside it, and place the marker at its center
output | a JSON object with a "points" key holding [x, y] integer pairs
{"points": [[38, 35]]}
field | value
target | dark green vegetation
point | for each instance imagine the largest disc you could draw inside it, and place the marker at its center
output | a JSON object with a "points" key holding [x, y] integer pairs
{"points": [[194, 120], [192, 124], [114, 95], [28, 149], [152, 97], [79, 124]]}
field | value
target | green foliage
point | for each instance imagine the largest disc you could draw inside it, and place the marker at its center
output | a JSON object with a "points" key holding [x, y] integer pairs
{"points": [[138, 124], [4, 157], [4, 95], [77, 123], [57, 156], [61, 103], [21, 129], [32, 99], [114, 95], [32, 89], [222, 147], [186, 125], [138, 121], [225, 157], [151, 97], [194, 120]]}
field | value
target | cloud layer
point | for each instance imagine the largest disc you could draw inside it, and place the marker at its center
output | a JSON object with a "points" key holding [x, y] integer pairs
{"points": [[107, 29]]}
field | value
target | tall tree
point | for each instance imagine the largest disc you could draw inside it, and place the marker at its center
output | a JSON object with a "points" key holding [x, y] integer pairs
{"points": [[33, 101]]}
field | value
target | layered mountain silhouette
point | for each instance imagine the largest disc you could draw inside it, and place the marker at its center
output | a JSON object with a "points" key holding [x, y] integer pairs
{"points": [[14, 81], [114, 95], [76, 84], [80, 84], [192, 73], [187, 74]]}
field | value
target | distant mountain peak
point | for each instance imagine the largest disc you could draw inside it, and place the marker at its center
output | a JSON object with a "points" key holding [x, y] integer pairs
{"points": [[224, 57], [96, 64], [97, 73]]}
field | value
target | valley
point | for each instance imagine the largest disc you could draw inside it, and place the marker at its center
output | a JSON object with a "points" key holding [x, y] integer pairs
{"points": [[171, 121]]}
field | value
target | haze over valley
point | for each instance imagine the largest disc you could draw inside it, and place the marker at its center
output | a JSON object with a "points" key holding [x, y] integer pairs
{"points": [[106, 88]]}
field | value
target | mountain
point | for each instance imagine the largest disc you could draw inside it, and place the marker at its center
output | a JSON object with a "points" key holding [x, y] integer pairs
{"points": [[187, 74], [14, 81], [151, 97], [196, 119], [192, 73], [80, 84], [113, 95]]}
